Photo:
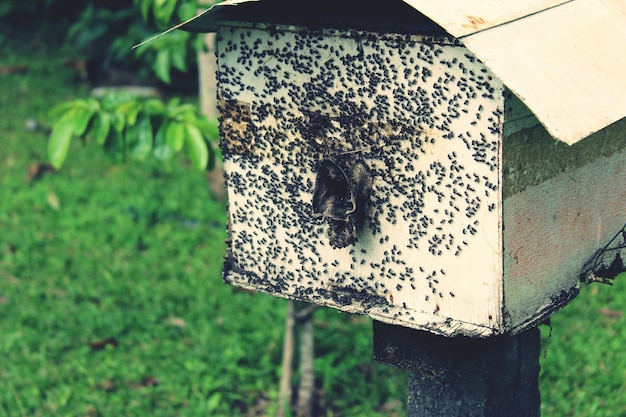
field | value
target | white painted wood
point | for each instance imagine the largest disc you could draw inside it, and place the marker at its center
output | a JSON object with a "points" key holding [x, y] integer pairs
{"points": [[566, 64], [462, 18], [564, 59], [440, 250], [429, 255]]}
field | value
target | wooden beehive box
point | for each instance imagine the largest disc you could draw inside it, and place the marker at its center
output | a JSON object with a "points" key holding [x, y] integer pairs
{"points": [[376, 165]]}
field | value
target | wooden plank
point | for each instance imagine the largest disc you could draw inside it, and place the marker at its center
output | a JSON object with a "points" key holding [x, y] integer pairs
{"points": [[429, 252], [552, 229], [566, 64], [462, 18]]}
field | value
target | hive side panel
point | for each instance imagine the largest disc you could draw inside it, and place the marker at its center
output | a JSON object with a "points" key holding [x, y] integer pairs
{"points": [[422, 117], [555, 226]]}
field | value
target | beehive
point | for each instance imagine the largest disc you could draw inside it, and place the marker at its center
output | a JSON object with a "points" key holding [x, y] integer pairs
{"points": [[375, 165]]}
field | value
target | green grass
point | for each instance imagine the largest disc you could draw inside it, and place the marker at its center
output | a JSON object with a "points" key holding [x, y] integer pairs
{"points": [[111, 299], [111, 302], [583, 371]]}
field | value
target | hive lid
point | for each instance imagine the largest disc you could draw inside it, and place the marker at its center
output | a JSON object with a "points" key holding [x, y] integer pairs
{"points": [[564, 59]]}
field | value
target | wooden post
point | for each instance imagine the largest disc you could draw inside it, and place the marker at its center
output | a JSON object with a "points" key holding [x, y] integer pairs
{"points": [[207, 64], [460, 376]]}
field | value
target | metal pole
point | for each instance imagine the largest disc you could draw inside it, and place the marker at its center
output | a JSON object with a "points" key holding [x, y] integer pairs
{"points": [[464, 377]]}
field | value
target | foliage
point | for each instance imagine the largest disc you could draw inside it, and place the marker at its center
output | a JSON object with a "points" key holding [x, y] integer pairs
{"points": [[162, 12], [177, 50], [126, 126], [8, 8], [107, 34], [174, 52], [56, 10], [105, 31]]}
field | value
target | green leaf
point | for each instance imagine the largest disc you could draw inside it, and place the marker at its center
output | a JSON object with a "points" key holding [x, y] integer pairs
{"points": [[172, 105], [154, 107], [81, 117], [145, 9], [118, 121], [110, 101], [179, 58], [186, 11], [60, 109], [184, 112], [93, 104], [129, 109], [214, 401], [163, 11], [101, 127], [60, 140], [161, 66], [143, 145], [115, 146], [161, 149], [198, 43], [175, 136], [131, 135], [210, 128], [196, 147]]}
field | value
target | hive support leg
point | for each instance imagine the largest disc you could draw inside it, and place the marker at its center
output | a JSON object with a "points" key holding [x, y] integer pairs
{"points": [[463, 377]]}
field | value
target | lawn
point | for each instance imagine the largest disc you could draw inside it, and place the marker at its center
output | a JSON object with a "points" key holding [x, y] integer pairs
{"points": [[111, 301]]}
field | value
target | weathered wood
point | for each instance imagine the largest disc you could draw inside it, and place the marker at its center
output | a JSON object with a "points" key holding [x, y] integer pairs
{"points": [[463, 377], [207, 68], [289, 345], [553, 228], [394, 175], [306, 386], [434, 204]]}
